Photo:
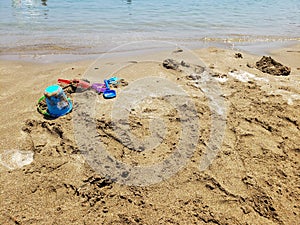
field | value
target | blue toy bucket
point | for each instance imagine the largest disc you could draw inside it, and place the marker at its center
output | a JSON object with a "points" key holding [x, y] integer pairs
{"points": [[57, 101]]}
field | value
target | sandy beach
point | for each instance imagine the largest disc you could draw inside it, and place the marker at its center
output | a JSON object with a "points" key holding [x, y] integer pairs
{"points": [[252, 179]]}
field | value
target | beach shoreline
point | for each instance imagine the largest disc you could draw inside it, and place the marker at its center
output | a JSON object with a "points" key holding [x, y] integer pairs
{"points": [[51, 53]]}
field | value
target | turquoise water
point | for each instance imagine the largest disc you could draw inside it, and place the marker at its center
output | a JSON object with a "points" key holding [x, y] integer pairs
{"points": [[96, 25]]}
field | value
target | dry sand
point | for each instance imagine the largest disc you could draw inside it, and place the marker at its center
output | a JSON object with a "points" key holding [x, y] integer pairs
{"points": [[254, 179]]}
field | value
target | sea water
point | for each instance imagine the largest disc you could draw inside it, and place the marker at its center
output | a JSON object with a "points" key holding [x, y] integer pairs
{"points": [[96, 25]]}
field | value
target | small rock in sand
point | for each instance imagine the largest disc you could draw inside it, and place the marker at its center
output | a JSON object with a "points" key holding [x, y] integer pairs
{"points": [[170, 64], [238, 55], [178, 50]]}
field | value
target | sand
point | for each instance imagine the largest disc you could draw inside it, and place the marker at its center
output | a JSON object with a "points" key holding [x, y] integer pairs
{"points": [[252, 178]]}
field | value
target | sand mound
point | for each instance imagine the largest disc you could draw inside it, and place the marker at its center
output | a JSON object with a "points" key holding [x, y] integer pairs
{"points": [[271, 66]]}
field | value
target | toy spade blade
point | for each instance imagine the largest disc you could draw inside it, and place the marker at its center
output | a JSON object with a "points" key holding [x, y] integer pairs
{"points": [[108, 93]]}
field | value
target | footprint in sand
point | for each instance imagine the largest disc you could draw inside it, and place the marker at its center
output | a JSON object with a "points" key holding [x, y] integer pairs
{"points": [[14, 159]]}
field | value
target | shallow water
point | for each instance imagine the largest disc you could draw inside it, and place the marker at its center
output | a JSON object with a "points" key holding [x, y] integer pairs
{"points": [[98, 25]]}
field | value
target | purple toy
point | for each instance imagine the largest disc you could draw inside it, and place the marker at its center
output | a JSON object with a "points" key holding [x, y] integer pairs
{"points": [[98, 87]]}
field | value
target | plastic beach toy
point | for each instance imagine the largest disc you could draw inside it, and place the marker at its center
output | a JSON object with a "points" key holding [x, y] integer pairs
{"points": [[57, 102], [98, 87], [113, 80], [108, 93], [77, 83]]}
